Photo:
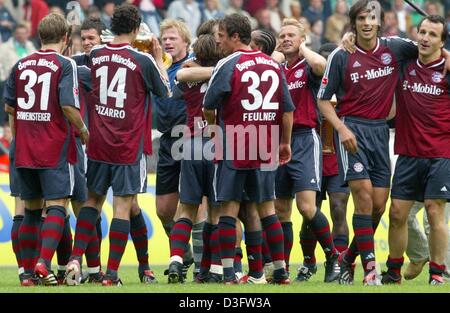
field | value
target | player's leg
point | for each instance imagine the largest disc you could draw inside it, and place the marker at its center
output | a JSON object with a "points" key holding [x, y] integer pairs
{"points": [[118, 237], [338, 211], [206, 260], [86, 234], [57, 185], [138, 232], [19, 212], [29, 189], [417, 250], [64, 249], [197, 235], [238, 251], [283, 209], [318, 223], [253, 244], [362, 192], [438, 239], [167, 193], [227, 238], [398, 238], [216, 269], [179, 239], [338, 196], [275, 239]]}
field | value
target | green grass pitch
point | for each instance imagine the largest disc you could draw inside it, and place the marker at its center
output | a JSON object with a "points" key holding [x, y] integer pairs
{"points": [[9, 283]]}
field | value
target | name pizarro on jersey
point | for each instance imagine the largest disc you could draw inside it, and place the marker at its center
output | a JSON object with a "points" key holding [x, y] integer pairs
{"points": [[109, 112]]}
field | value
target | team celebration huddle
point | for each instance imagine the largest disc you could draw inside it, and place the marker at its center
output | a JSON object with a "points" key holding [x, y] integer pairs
{"points": [[252, 122]]}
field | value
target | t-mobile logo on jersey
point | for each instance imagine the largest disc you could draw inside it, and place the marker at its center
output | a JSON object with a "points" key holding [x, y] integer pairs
{"points": [[372, 74], [354, 77], [423, 88]]}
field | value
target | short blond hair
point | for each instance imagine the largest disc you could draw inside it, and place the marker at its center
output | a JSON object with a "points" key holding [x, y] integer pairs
{"points": [[180, 26], [294, 22], [52, 28]]}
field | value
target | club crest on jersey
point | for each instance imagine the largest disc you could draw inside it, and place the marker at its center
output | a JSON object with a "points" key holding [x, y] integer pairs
{"points": [[386, 58], [358, 167], [436, 77], [298, 73]]}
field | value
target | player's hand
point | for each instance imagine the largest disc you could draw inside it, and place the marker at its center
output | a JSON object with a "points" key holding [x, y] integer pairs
{"points": [[284, 153], [348, 139], [84, 136], [278, 57], [348, 42], [156, 51], [189, 64]]}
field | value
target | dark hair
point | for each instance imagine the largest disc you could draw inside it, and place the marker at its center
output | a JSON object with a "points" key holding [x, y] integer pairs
{"points": [[326, 49], [207, 27], [126, 19], [93, 23], [265, 40], [363, 6], [207, 52], [237, 24], [436, 19], [52, 28]]}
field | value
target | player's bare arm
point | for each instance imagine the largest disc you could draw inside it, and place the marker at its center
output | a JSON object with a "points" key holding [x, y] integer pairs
{"points": [[9, 109], [157, 53], [315, 60], [194, 74], [210, 116], [285, 144], [348, 139], [73, 115]]}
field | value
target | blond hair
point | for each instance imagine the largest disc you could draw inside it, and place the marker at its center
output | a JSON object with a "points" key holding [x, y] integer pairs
{"points": [[52, 28], [180, 26], [294, 22]]}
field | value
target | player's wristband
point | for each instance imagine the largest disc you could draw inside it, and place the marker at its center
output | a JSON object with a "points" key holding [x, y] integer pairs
{"points": [[84, 129]]}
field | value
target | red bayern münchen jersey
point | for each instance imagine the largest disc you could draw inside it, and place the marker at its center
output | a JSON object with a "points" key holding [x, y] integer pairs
{"points": [[303, 86], [39, 85], [364, 82], [122, 79], [422, 122], [193, 93], [250, 92]]}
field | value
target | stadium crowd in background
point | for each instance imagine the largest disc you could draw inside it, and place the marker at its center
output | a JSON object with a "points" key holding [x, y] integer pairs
{"points": [[300, 30]]}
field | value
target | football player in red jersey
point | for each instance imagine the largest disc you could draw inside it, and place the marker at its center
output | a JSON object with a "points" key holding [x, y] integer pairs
{"points": [[301, 177], [422, 171], [358, 80], [122, 79], [248, 90], [42, 94]]}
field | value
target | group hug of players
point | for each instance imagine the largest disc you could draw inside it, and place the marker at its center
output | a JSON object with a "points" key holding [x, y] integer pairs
{"points": [[229, 82]]}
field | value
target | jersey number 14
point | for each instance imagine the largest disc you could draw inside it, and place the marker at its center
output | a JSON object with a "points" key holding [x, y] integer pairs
{"points": [[116, 88]]}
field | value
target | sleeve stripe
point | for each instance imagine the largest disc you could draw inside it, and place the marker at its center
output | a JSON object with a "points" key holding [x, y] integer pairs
{"points": [[75, 80], [327, 71]]}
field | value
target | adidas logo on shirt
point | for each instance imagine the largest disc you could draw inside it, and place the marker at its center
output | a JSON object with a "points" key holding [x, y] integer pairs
{"points": [[370, 256], [356, 64], [413, 73], [313, 181], [444, 189]]}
